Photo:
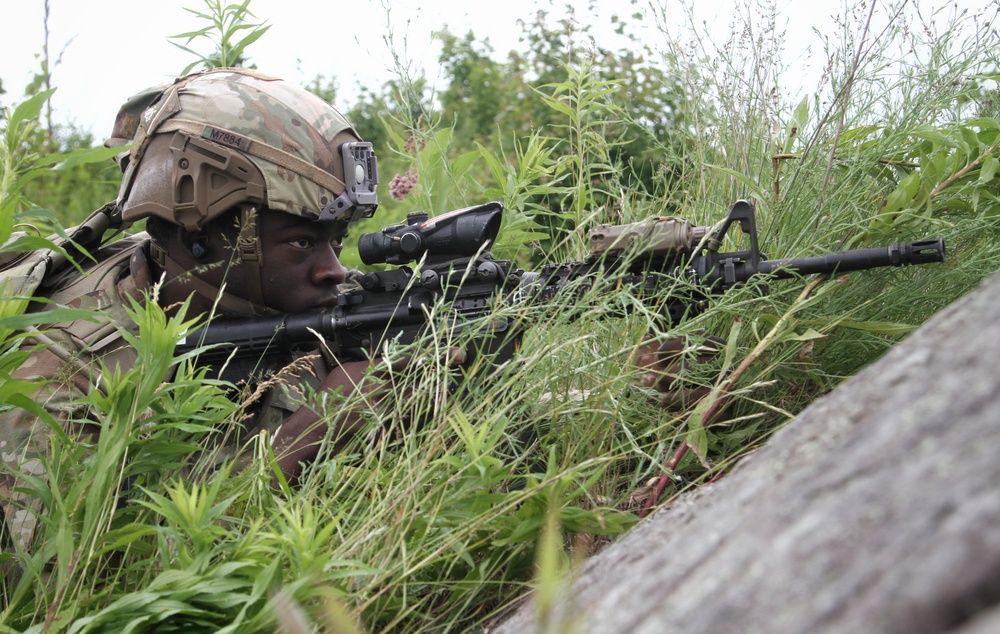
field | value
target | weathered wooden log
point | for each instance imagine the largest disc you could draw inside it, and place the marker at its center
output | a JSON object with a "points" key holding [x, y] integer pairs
{"points": [[875, 510]]}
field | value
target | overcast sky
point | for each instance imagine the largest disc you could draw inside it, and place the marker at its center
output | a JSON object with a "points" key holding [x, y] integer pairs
{"points": [[111, 49]]}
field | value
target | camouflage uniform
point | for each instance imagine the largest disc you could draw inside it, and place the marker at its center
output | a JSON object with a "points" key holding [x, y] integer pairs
{"points": [[200, 147], [123, 272]]}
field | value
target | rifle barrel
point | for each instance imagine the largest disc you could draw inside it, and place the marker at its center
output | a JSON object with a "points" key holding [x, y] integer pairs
{"points": [[899, 254]]}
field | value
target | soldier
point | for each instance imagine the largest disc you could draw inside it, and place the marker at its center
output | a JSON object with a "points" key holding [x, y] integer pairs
{"points": [[248, 186]]}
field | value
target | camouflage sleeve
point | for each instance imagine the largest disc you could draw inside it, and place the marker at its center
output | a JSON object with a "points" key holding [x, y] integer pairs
{"points": [[24, 440], [25, 437]]}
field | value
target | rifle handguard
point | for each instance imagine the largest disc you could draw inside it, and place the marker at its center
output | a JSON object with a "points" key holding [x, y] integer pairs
{"points": [[653, 236]]}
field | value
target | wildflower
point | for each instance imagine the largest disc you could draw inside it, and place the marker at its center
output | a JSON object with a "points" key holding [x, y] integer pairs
{"points": [[414, 145], [401, 184]]}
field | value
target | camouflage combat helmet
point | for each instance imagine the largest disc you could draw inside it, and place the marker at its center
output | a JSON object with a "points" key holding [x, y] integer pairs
{"points": [[235, 138]]}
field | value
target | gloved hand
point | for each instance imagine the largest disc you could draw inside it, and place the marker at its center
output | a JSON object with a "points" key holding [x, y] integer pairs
{"points": [[298, 440], [668, 368], [413, 382]]}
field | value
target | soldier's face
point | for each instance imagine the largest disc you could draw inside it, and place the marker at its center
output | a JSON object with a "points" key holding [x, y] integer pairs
{"points": [[302, 268]]}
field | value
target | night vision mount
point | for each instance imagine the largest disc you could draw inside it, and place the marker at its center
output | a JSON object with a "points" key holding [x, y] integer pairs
{"points": [[359, 199]]}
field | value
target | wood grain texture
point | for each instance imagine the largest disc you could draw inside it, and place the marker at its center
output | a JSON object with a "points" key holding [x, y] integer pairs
{"points": [[876, 510]]}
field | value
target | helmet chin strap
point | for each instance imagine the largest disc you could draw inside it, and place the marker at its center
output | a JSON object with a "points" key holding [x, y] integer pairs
{"points": [[248, 252]]}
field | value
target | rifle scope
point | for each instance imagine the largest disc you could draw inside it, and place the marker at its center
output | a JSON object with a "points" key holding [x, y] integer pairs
{"points": [[460, 233]]}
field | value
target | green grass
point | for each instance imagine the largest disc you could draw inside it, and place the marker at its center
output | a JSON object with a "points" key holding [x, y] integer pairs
{"points": [[440, 525]]}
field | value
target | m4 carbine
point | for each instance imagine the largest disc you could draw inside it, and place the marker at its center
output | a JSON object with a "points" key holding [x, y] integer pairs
{"points": [[663, 258]]}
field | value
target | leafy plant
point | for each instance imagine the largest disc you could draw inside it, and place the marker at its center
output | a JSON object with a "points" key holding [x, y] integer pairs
{"points": [[454, 501], [228, 30]]}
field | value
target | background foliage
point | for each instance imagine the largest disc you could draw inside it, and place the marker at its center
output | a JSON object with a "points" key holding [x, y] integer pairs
{"points": [[441, 527]]}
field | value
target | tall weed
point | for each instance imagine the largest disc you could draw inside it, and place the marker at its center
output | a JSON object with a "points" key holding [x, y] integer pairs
{"points": [[457, 500]]}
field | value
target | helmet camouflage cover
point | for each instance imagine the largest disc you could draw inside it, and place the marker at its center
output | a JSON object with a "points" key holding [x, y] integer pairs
{"points": [[236, 139], [230, 136]]}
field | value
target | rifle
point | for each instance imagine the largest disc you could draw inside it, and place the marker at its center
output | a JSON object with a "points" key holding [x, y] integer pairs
{"points": [[655, 257]]}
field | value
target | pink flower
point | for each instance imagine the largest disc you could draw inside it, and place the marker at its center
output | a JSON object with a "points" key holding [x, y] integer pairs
{"points": [[414, 145], [401, 184]]}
